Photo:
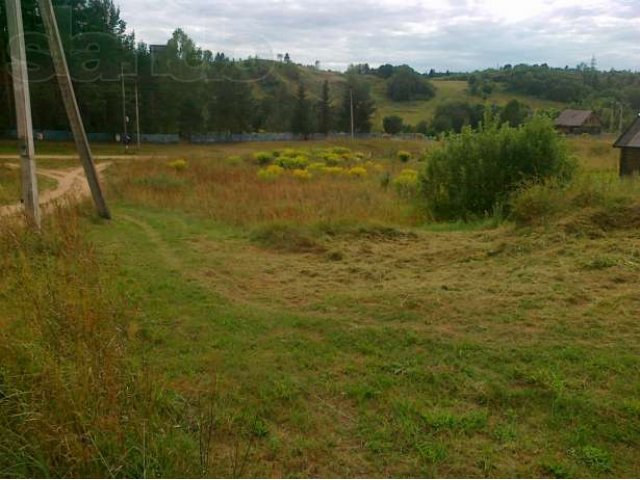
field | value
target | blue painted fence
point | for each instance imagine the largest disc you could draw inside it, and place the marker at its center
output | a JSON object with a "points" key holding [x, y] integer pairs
{"points": [[209, 138], [65, 136]]}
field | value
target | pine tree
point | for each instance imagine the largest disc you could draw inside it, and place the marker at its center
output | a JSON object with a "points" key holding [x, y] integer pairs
{"points": [[363, 106], [324, 110], [301, 124]]}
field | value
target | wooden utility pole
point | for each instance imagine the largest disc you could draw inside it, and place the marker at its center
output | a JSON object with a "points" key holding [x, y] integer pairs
{"points": [[621, 118], [125, 120], [71, 105], [138, 141], [353, 130], [23, 112]]}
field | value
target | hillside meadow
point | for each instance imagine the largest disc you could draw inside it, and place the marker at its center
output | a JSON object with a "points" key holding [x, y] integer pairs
{"points": [[413, 112], [241, 320]]}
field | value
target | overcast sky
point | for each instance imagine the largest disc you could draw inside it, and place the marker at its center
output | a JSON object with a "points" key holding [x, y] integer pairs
{"points": [[441, 34]]}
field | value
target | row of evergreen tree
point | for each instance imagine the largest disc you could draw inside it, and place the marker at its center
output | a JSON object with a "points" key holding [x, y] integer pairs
{"points": [[187, 90], [182, 88]]}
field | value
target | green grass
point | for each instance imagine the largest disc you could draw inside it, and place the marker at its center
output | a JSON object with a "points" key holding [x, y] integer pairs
{"points": [[402, 381], [385, 350], [9, 147], [10, 185]]}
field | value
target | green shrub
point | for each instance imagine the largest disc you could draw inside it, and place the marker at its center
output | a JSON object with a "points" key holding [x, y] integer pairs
{"points": [[302, 174], [333, 159], [179, 165], [404, 156], [316, 166], [392, 124], [272, 172], [291, 152], [358, 172], [263, 158], [298, 162], [406, 184], [536, 204], [341, 150], [474, 172]]}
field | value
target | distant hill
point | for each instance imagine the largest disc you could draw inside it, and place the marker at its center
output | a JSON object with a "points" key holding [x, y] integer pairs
{"points": [[447, 90], [186, 90], [411, 112]]}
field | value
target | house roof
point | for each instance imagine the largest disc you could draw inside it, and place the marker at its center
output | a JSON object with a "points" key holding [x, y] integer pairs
{"points": [[630, 138], [573, 118]]}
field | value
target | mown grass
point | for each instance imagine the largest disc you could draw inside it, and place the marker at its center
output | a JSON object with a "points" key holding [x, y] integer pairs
{"points": [[309, 328]]}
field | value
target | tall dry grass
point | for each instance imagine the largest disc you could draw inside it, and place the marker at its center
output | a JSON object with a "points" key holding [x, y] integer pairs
{"points": [[235, 195], [595, 152], [74, 399], [591, 204]]}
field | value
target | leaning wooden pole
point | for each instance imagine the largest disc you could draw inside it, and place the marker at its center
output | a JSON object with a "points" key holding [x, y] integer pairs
{"points": [[71, 105], [23, 112]]}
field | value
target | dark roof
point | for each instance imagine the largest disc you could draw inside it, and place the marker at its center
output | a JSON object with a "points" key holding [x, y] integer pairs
{"points": [[573, 118], [630, 138]]}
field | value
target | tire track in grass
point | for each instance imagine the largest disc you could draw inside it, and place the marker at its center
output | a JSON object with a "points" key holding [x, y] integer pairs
{"points": [[167, 255], [210, 279], [225, 288]]}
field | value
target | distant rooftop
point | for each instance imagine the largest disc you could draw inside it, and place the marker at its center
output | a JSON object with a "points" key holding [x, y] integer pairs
{"points": [[630, 138], [573, 118]]}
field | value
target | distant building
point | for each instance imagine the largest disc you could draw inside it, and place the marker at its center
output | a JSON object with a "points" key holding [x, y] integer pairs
{"points": [[629, 145], [576, 122]]}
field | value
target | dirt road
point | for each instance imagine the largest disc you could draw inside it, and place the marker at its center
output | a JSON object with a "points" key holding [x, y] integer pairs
{"points": [[71, 183], [97, 158]]}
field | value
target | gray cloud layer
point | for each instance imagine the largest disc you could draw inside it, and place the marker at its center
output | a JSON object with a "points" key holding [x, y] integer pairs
{"points": [[447, 34]]}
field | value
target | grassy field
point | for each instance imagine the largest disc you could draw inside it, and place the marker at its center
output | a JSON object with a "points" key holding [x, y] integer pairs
{"points": [[447, 90], [10, 184], [288, 326]]}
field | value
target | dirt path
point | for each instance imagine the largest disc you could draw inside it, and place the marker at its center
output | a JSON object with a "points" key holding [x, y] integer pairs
{"points": [[71, 183], [95, 157]]}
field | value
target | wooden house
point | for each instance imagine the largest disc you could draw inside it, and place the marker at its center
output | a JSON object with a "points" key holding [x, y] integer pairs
{"points": [[629, 145], [576, 122]]}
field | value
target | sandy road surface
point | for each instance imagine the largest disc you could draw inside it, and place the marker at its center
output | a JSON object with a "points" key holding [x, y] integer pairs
{"points": [[71, 183], [97, 158]]}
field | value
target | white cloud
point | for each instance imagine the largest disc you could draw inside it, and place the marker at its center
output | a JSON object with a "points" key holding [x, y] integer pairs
{"points": [[446, 34]]}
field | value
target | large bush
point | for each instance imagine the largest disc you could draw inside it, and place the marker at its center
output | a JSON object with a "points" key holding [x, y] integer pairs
{"points": [[475, 172], [454, 115], [406, 84], [392, 124]]}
